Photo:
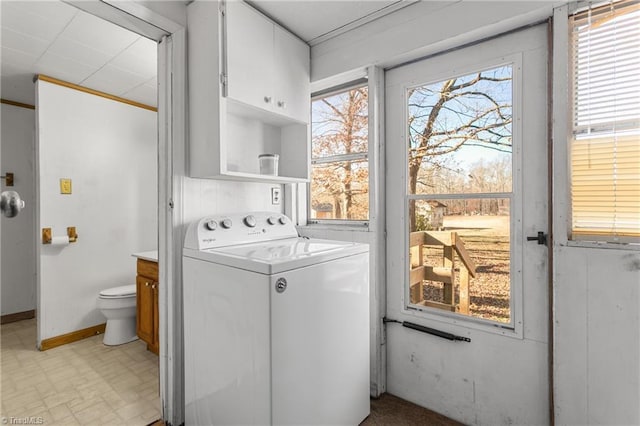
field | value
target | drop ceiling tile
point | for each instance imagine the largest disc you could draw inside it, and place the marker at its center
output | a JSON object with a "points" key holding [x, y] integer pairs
{"points": [[17, 57], [71, 49], [44, 20], [113, 80], [152, 82], [139, 58], [99, 34], [143, 94], [63, 68], [52, 10], [22, 42]]}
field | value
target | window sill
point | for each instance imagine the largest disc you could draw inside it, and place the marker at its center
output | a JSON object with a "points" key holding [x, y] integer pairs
{"points": [[432, 319], [601, 245]]}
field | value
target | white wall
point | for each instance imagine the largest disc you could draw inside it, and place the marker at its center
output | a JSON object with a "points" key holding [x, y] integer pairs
{"points": [[420, 29], [597, 336], [18, 293], [204, 197], [108, 149], [176, 11]]}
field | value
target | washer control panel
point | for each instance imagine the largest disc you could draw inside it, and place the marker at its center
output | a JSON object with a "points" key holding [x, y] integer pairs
{"points": [[238, 228]]}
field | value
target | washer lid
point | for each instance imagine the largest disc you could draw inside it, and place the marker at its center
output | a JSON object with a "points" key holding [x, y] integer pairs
{"points": [[277, 256], [122, 291], [274, 251]]}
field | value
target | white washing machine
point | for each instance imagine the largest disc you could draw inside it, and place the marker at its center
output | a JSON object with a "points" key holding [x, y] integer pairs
{"points": [[276, 326]]}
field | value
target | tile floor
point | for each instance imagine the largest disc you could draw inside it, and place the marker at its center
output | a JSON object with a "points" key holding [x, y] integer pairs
{"points": [[82, 383]]}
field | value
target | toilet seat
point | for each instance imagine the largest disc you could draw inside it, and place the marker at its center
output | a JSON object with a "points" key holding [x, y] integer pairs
{"points": [[119, 292]]}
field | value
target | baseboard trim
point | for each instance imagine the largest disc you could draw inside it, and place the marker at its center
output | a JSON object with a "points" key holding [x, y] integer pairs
{"points": [[74, 336], [18, 316]]}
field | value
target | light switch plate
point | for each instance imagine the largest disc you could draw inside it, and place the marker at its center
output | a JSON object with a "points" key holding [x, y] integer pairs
{"points": [[275, 195], [65, 186]]}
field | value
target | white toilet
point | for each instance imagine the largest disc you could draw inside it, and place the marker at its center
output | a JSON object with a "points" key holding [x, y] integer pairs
{"points": [[118, 304]]}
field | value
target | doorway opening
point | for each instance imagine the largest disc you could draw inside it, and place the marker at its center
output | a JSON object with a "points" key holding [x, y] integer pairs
{"points": [[86, 233]]}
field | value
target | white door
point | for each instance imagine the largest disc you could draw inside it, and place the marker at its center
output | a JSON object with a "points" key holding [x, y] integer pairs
{"points": [[466, 142]]}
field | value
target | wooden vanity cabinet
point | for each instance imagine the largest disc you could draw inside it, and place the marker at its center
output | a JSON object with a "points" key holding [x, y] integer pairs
{"points": [[147, 304]]}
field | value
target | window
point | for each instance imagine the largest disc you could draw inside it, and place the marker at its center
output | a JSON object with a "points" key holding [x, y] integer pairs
{"points": [[605, 145], [339, 189], [460, 194]]}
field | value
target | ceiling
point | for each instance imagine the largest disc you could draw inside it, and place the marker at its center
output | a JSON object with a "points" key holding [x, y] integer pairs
{"points": [[58, 40]]}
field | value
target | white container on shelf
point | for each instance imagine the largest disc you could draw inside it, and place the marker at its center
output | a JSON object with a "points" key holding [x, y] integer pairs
{"points": [[268, 164]]}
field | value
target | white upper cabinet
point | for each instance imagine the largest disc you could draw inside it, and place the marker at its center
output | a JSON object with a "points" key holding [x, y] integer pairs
{"points": [[250, 56], [267, 67], [292, 87], [249, 95]]}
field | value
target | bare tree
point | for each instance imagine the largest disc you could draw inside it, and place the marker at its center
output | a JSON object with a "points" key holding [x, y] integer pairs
{"points": [[340, 128], [456, 112]]}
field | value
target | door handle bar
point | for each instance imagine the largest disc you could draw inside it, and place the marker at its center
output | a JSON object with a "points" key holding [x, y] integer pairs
{"points": [[428, 330]]}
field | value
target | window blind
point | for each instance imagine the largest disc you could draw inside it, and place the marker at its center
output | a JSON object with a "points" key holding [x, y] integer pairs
{"points": [[605, 150]]}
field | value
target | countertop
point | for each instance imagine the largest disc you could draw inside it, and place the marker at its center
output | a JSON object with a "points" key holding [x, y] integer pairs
{"points": [[151, 256]]}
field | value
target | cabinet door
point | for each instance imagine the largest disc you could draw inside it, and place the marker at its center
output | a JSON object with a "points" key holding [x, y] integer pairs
{"points": [[145, 309], [250, 56], [292, 92]]}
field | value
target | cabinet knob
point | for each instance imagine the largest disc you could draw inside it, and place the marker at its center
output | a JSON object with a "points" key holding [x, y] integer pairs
{"points": [[267, 99], [146, 284], [153, 286], [282, 104]]}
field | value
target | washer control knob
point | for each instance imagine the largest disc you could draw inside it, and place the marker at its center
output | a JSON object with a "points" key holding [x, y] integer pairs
{"points": [[282, 220], [211, 225], [226, 223], [250, 221], [272, 220]]}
